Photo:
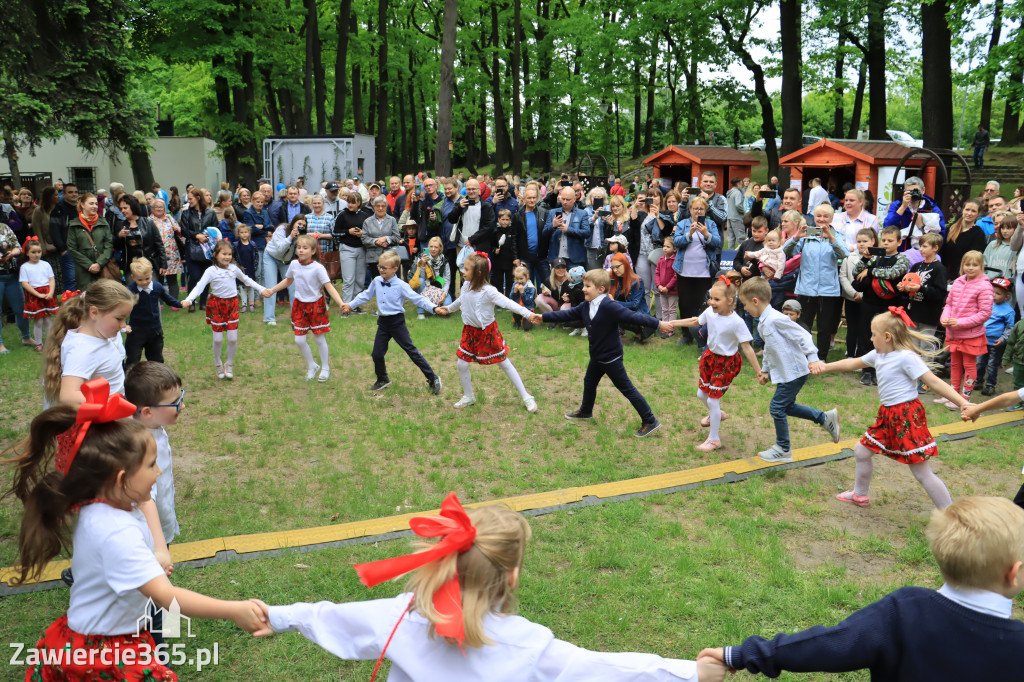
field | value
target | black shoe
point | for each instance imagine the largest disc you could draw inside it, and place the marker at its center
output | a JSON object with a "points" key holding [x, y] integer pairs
{"points": [[578, 415], [67, 577], [646, 333], [988, 390], [865, 379], [358, 311], [381, 384], [527, 325], [647, 429], [435, 384]]}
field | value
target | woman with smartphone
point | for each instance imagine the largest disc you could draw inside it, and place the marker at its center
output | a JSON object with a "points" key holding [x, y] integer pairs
{"points": [[697, 241]]}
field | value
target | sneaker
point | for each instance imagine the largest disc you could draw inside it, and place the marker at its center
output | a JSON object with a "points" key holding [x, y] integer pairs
{"points": [[776, 455], [527, 325], [381, 384], [421, 316], [551, 326], [578, 415], [311, 371], [831, 424], [921, 388], [358, 311], [865, 379], [344, 316], [227, 372], [584, 333], [853, 498], [270, 323], [1009, 370], [988, 390], [463, 402], [220, 371], [1018, 406], [574, 332], [325, 374], [435, 385], [706, 421], [647, 429], [666, 335], [67, 577], [531, 404], [709, 445], [646, 333]]}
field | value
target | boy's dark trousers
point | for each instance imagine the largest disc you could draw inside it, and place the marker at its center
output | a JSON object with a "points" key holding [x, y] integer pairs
{"points": [[991, 362], [393, 327], [502, 279], [616, 371], [150, 339]]}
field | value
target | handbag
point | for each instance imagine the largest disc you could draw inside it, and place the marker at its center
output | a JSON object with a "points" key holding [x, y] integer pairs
{"points": [[332, 261], [196, 252], [112, 269], [654, 256]]}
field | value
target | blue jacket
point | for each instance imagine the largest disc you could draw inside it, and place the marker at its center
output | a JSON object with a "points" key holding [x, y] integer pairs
{"points": [[1000, 323], [579, 231], [146, 312], [634, 299], [261, 227], [902, 221], [819, 265], [712, 247], [511, 204], [279, 212], [603, 330], [421, 214]]}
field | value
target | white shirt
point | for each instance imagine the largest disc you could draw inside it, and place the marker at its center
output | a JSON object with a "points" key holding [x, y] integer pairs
{"points": [[223, 282], [478, 306], [897, 373], [849, 227], [788, 347], [522, 650], [37, 275], [982, 601], [595, 305], [163, 490], [112, 558], [471, 220], [88, 357], [725, 332], [309, 280], [818, 195]]}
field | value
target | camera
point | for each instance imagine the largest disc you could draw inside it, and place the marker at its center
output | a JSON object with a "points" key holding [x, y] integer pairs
{"points": [[604, 212], [813, 231], [649, 201], [566, 183], [876, 250], [471, 202], [916, 195], [766, 194]]}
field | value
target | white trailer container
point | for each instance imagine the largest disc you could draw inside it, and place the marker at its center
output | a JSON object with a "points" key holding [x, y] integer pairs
{"points": [[318, 159]]}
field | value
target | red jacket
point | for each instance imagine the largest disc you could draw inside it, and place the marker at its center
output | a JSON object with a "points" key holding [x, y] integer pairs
{"points": [[665, 274]]}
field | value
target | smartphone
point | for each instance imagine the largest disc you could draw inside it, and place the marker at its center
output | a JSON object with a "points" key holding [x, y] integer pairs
{"points": [[471, 202], [876, 250], [598, 202], [813, 231], [649, 201], [766, 194], [566, 183], [693, 190], [604, 212]]}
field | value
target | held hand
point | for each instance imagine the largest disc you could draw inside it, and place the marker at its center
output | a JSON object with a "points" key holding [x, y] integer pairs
{"points": [[816, 367], [251, 617], [970, 412], [186, 305], [441, 310], [164, 557], [266, 293], [537, 318], [763, 378], [346, 308], [711, 670], [665, 327]]}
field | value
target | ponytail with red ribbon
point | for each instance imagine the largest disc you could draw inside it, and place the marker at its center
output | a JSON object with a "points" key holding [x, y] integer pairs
{"points": [[725, 280], [899, 312], [99, 407]]}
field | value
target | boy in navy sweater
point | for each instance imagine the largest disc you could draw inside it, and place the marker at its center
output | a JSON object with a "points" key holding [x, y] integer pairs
{"points": [[963, 631], [601, 317], [147, 331]]}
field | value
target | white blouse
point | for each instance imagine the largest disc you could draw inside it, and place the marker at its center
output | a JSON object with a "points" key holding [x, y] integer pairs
{"points": [[223, 282], [522, 651], [478, 306]]}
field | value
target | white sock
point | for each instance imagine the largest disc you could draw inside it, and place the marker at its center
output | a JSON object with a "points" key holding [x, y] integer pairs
{"points": [[232, 345], [513, 376], [37, 330], [321, 347], [218, 343], [464, 377], [307, 354], [865, 466], [714, 413], [933, 485]]}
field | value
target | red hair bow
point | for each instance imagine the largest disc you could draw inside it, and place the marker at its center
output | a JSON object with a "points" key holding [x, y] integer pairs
{"points": [[902, 314], [99, 407], [69, 294], [31, 239], [457, 534], [725, 280]]}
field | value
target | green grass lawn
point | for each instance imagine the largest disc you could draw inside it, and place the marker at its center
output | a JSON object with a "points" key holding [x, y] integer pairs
{"points": [[669, 573]]}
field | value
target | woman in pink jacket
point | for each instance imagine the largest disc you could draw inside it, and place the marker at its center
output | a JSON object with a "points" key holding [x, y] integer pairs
{"points": [[968, 307]]}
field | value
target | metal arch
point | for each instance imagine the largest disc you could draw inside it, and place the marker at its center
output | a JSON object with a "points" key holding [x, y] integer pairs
{"points": [[950, 195]]}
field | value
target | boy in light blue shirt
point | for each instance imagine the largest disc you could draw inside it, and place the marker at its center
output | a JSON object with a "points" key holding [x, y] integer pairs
{"points": [[997, 332]]}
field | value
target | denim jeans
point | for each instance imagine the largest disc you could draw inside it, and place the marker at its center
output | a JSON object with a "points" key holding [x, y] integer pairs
{"points": [[979, 157], [616, 371], [273, 272], [988, 364], [540, 269], [67, 268], [12, 291], [784, 404]]}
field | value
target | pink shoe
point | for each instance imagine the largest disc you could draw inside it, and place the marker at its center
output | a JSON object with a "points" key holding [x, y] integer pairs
{"points": [[706, 421], [709, 445], [853, 498]]}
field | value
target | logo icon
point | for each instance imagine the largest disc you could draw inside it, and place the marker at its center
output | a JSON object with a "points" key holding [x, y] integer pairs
{"points": [[166, 622]]}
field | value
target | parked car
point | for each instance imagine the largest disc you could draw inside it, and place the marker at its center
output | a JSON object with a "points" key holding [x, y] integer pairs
{"points": [[758, 145], [903, 138], [809, 139]]}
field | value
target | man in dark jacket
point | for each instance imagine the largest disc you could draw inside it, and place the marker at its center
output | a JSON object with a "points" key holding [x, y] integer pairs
{"points": [[473, 220], [981, 141], [426, 211], [284, 211], [63, 213], [533, 248]]}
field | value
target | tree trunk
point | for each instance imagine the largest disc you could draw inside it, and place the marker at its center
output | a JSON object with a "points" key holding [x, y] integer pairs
{"points": [[414, 142], [528, 105], [306, 119], [792, 80], [382, 88], [541, 156], [319, 86], [142, 169], [428, 156], [243, 95], [358, 116], [839, 87], [649, 122], [693, 97], [637, 111], [517, 122], [1011, 116], [371, 118], [340, 68], [574, 115], [284, 97], [858, 99], [992, 68], [499, 112], [272, 114], [401, 154], [11, 152], [671, 83], [876, 69], [482, 125], [937, 77]]}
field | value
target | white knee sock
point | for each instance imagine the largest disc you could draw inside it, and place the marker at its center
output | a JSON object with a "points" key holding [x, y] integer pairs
{"points": [[464, 377], [864, 468], [218, 343], [933, 485], [321, 347], [307, 354], [513, 376], [232, 345], [714, 413], [37, 330]]}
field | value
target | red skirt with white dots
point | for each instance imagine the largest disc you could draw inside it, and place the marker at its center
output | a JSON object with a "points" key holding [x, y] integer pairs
{"points": [[900, 432], [717, 372], [222, 313]]}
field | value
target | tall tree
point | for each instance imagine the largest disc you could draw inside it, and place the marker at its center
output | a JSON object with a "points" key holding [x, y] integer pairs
{"points": [[382, 88], [340, 67], [876, 69], [517, 130], [991, 66], [442, 154], [1013, 89], [792, 80], [936, 76]]}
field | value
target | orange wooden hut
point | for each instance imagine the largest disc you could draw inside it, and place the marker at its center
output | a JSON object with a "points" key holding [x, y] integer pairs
{"points": [[686, 163]]}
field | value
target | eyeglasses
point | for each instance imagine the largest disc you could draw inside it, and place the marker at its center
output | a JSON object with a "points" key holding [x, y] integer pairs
{"points": [[177, 404], [386, 267]]}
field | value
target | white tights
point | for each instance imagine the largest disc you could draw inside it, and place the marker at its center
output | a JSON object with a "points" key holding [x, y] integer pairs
{"points": [[41, 328], [307, 354], [506, 366], [922, 471], [714, 406], [218, 343]]}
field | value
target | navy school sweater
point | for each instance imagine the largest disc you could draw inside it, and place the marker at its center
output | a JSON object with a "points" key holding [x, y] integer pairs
{"points": [[603, 329], [146, 312]]}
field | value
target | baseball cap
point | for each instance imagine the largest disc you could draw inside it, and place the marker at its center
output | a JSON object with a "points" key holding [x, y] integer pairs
{"points": [[620, 240], [1002, 283], [560, 262], [792, 304], [331, 186]]}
